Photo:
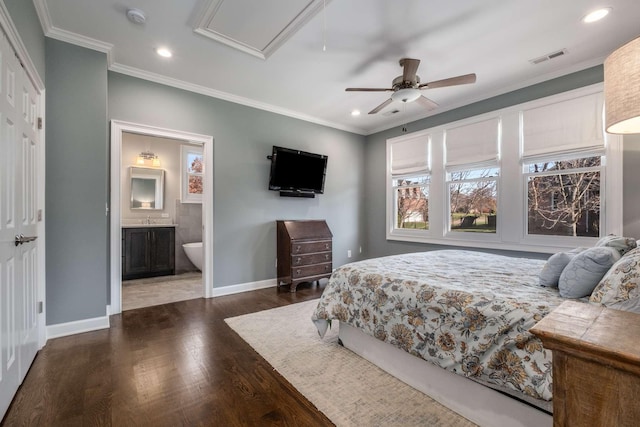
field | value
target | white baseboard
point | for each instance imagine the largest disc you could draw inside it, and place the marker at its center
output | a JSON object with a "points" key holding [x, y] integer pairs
{"points": [[77, 327], [244, 287]]}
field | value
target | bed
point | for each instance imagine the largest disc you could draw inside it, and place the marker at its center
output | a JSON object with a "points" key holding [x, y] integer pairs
{"points": [[466, 313]]}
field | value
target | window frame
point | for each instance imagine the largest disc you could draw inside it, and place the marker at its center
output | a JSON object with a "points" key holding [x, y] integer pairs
{"points": [[555, 239], [511, 229], [185, 151], [465, 235]]}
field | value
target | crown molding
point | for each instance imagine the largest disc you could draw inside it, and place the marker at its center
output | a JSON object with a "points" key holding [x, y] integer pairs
{"points": [[16, 42], [203, 90], [54, 32]]}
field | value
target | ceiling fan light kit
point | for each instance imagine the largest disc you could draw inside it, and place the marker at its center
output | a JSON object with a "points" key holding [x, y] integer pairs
{"points": [[406, 88]]}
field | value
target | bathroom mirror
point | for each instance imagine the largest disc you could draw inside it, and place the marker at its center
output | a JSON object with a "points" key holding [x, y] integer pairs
{"points": [[147, 188]]}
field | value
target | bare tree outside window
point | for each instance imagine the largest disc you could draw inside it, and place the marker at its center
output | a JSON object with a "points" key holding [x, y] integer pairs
{"points": [[473, 198], [564, 197]]}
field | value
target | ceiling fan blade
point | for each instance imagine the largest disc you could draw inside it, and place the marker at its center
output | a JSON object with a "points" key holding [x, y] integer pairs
{"points": [[381, 106], [410, 69], [452, 81], [427, 103], [367, 89]]}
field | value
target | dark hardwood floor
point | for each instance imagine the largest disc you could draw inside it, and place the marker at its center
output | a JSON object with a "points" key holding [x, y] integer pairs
{"points": [[177, 364]]}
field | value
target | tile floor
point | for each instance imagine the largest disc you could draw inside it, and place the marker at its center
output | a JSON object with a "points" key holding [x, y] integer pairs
{"points": [[150, 291]]}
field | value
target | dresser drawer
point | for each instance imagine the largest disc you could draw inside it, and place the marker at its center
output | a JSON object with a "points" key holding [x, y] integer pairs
{"points": [[310, 247], [317, 258], [311, 270]]}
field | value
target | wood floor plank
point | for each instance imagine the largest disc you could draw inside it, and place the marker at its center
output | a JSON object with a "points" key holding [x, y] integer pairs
{"points": [[169, 365]]}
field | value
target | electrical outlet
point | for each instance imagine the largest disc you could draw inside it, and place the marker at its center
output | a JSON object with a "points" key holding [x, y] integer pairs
{"points": [[349, 253], [164, 215]]}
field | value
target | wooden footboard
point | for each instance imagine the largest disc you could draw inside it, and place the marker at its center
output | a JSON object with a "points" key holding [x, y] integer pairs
{"points": [[596, 364]]}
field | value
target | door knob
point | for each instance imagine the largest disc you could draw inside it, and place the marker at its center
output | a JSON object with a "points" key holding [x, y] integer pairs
{"points": [[21, 239]]}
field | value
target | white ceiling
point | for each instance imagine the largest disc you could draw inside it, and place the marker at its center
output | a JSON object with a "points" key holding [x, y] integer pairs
{"points": [[495, 39]]}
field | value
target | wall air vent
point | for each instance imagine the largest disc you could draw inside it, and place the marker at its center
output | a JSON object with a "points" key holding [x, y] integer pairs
{"points": [[548, 56]]}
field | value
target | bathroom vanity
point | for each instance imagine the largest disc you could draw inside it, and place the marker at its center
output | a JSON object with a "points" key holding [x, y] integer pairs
{"points": [[148, 251]]}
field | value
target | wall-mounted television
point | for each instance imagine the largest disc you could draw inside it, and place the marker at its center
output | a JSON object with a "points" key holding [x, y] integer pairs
{"points": [[297, 173]]}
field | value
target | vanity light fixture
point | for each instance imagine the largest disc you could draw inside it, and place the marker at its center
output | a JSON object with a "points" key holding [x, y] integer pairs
{"points": [[148, 157]]}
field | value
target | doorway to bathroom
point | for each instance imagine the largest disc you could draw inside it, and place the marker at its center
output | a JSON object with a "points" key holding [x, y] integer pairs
{"points": [[161, 234]]}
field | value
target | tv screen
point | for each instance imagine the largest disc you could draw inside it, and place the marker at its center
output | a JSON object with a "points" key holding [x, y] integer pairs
{"points": [[296, 170]]}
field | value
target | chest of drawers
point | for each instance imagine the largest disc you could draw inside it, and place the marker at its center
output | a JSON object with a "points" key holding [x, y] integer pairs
{"points": [[304, 250]]}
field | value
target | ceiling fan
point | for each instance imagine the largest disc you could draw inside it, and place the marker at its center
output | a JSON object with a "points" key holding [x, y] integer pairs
{"points": [[407, 87]]}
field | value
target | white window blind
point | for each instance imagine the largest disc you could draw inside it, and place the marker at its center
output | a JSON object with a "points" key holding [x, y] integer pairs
{"points": [[410, 156], [473, 144], [570, 126]]}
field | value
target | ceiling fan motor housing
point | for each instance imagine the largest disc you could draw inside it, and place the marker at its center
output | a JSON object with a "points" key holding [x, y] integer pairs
{"points": [[405, 91]]}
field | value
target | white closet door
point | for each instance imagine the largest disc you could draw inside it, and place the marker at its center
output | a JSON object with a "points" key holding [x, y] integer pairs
{"points": [[19, 147]]}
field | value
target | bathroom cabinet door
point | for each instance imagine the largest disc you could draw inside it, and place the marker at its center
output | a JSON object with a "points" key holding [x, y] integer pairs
{"points": [[148, 252], [136, 259], [162, 248]]}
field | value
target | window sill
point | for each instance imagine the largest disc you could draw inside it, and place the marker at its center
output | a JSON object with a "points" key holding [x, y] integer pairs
{"points": [[494, 242]]}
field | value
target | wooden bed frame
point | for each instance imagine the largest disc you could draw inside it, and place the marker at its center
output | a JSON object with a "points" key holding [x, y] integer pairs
{"points": [[480, 404]]}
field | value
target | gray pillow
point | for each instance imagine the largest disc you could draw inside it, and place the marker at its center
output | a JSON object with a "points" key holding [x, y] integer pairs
{"points": [[552, 270], [585, 270], [556, 263]]}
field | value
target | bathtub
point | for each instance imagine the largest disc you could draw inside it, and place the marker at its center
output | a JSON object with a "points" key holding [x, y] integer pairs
{"points": [[194, 253]]}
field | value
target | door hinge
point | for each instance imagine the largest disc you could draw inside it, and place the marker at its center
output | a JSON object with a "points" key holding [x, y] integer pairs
{"points": [[40, 307], [39, 122]]}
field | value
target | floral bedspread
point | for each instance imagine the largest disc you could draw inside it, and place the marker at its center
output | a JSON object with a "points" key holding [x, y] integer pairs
{"points": [[468, 312]]}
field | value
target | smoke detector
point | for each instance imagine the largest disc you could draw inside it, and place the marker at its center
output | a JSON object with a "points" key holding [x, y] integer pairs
{"points": [[136, 16]]}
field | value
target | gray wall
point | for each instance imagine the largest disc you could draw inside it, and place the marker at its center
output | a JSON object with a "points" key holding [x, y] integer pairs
{"points": [[375, 161], [76, 183], [24, 17], [244, 211]]}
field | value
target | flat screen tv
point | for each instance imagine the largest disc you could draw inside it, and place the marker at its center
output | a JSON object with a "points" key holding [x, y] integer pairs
{"points": [[297, 173]]}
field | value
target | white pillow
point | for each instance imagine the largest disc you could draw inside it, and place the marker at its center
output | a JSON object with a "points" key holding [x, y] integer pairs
{"points": [[622, 244]]}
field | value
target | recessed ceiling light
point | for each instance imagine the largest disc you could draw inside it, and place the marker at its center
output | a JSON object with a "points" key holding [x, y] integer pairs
{"points": [[164, 52], [596, 15], [355, 113]]}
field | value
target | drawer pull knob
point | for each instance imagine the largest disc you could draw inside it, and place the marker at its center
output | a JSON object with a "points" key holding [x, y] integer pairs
{"points": [[298, 260], [298, 271], [297, 248], [326, 246], [326, 256]]}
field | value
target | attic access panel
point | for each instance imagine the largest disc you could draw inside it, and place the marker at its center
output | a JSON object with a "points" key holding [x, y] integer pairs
{"points": [[258, 28]]}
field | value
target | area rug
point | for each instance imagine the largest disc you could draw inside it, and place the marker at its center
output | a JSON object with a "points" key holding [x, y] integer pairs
{"points": [[349, 390]]}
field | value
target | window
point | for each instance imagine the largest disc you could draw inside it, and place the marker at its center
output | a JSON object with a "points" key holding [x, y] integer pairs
{"points": [[541, 177], [192, 174], [412, 202], [563, 197], [473, 200], [410, 173], [472, 153]]}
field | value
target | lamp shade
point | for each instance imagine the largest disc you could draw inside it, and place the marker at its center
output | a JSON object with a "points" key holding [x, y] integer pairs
{"points": [[622, 89]]}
